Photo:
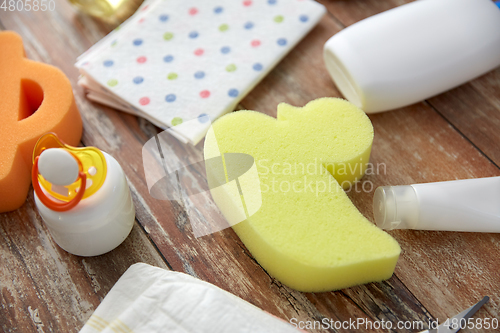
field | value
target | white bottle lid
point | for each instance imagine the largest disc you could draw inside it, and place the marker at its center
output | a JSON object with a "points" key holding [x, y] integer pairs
{"points": [[413, 52], [395, 207]]}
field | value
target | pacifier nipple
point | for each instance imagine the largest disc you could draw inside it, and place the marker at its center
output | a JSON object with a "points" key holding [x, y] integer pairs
{"points": [[58, 166]]}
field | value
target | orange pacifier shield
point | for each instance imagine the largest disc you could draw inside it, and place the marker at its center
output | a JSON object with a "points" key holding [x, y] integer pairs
{"points": [[66, 173]]}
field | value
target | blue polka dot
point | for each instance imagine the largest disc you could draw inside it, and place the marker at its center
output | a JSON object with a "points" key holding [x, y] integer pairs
{"points": [[257, 66], [168, 58], [193, 34], [271, 2], [199, 75], [137, 42], [170, 98], [218, 10], [281, 42], [203, 118], [303, 18], [233, 92], [108, 63], [248, 25], [163, 18], [225, 50], [138, 79]]}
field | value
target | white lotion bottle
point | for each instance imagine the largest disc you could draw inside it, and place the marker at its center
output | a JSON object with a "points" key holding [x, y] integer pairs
{"points": [[413, 52], [471, 205]]}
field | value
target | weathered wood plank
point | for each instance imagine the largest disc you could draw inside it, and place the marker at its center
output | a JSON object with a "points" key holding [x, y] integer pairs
{"points": [[474, 110], [350, 12], [43, 288]]}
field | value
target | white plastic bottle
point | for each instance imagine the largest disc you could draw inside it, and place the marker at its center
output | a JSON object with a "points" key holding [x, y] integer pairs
{"points": [[459, 205], [413, 52], [89, 222]]}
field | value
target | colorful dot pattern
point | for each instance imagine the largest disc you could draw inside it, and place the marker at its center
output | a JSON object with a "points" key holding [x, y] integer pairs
{"points": [[182, 60], [223, 27], [231, 68]]}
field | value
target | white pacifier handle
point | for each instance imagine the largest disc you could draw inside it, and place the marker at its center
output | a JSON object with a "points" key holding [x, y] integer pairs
{"points": [[58, 166]]}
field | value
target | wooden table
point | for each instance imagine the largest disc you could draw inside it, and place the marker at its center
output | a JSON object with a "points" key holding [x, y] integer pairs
{"points": [[451, 136]]}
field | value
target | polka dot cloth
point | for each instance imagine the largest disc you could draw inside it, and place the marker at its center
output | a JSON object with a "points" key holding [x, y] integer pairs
{"points": [[184, 63]]}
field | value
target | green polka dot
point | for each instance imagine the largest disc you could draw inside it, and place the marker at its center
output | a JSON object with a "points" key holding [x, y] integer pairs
{"points": [[176, 121], [168, 36], [114, 43], [231, 68], [223, 27], [112, 82], [278, 19], [172, 76]]}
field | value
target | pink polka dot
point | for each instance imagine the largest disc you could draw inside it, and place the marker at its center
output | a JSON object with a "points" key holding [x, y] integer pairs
{"points": [[144, 101], [145, 7], [141, 59], [247, 3], [141, 20], [204, 94], [193, 11], [199, 52], [255, 43]]}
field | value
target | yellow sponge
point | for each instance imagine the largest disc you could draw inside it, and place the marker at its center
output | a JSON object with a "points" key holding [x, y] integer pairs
{"points": [[307, 233]]}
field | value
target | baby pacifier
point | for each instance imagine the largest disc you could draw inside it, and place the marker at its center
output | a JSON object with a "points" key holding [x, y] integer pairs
{"points": [[63, 175]]}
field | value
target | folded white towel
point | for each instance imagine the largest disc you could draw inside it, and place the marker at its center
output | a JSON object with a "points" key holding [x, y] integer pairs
{"points": [[149, 299], [180, 60]]}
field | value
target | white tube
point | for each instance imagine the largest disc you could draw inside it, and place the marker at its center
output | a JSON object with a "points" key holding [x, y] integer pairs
{"points": [[413, 52], [460, 205]]}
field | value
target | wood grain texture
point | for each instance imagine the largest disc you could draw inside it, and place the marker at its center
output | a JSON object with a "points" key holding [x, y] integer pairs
{"points": [[45, 289], [348, 12], [439, 274], [474, 110]]}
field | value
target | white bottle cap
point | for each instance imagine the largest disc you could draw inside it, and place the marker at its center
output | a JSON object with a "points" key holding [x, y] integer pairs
{"points": [[413, 52], [395, 207]]}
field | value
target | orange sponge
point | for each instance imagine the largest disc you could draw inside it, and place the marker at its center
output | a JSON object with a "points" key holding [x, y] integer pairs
{"points": [[35, 98]]}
